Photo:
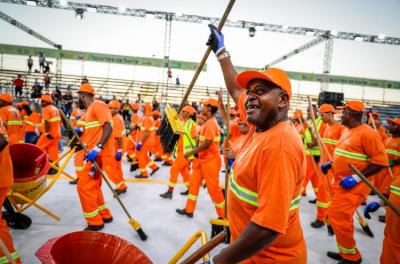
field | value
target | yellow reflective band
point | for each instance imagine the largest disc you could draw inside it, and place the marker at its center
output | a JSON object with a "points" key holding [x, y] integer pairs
{"points": [[143, 170], [102, 207], [29, 122], [92, 124], [79, 168], [72, 118], [119, 184], [242, 193], [14, 122], [54, 119], [4, 259], [219, 205], [192, 197], [151, 163], [329, 141], [295, 203], [132, 156], [217, 139], [202, 138], [393, 152], [395, 189], [351, 155], [186, 184], [91, 214], [323, 205], [81, 122], [350, 251], [171, 184]]}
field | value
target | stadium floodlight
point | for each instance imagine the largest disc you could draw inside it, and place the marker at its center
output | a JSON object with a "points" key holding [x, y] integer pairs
{"points": [[252, 32], [91, 9], [310, 33], [333, 32], [285, 27], [63, 2], [381, 36], [31, 3], [358, 38], [122, 9], [79, 13]]}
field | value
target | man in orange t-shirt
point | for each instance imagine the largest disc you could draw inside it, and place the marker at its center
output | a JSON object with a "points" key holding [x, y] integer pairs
{"points": [[76, 114], [266, 179], [11, 119], [187, 142], [6, 180], [146, 142], [133, 137], [333, 131], [33, 125], [361, 146], [208, 165], [117, 177], [97, 136], [375, 122], [48, 141]]}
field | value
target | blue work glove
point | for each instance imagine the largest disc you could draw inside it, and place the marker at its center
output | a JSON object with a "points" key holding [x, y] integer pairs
{"points": [[78, 130], [92, 155], [370, 208], [118, 155], [77, 117], [215, 40], [326, 166], [230, 164], [350, 181], [127, 132], [138, 146]]}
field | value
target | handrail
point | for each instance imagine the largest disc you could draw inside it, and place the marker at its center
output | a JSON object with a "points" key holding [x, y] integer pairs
{"points": [[196, 236]]}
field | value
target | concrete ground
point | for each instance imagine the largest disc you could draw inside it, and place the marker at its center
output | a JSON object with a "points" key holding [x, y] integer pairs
{"points": [[167, 231]]}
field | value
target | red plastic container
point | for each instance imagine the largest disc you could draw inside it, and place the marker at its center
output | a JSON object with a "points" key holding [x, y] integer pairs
{"points": [[85, 247]]}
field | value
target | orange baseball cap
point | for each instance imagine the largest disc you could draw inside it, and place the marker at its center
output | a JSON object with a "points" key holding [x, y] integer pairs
{"points": [[189, 109], [24, 103], [274, 75], [211, 101], [6, 97], [353, 105], [86, 88], [46, 98], [327, 108], [114, 104], [393, 121], [156, 113], [135, 106], [375, 114]]}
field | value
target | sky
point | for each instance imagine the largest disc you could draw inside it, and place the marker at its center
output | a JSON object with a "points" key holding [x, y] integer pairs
{"points": [[144, 37]]}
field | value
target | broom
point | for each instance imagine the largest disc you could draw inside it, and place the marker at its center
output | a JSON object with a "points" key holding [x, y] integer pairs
{"points": [[363, 223], [219, 225], [168, 137], [133, 222]]}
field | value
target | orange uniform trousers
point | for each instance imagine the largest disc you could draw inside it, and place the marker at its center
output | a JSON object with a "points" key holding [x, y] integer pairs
{"points": [[131, 147], [311, 175], [391, 242], [116, 175], [340, 214], [144, 160], [182, 166], [323, 196], [209, 171], [50, 146], [89, 189], [5, 233]]}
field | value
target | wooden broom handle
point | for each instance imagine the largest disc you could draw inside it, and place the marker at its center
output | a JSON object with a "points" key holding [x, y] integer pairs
{"points": [[207, 247], [205, 57]]}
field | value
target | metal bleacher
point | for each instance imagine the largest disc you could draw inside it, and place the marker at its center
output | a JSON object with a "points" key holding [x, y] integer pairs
{"points": [[122, 89]]}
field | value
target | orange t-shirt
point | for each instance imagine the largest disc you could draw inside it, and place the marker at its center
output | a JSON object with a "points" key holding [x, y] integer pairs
{"points": [[210, 131], [392, 147], [97, 115], [32, 121], [301, 129], [76, 112], [234, 130], [330, 138], [6, 175], [193, 133], [392, 229], [147, 125], [13, 123], [271, 166], [118, 128], [237, 143], [23, 114], [359, 146], [50, 114], [382, 132]]}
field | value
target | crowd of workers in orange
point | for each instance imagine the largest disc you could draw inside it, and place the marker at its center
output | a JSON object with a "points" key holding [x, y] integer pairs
{"points": [[271, 158]]}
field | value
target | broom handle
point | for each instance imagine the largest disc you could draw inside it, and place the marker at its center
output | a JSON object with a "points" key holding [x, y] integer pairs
{"points": [[94, 163], [372, 187], [206, 248], [227, 160], [205, 56]]}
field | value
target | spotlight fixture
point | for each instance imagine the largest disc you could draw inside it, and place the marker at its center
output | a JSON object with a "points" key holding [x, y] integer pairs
{"points": [[252, 32], [79, 13]]}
